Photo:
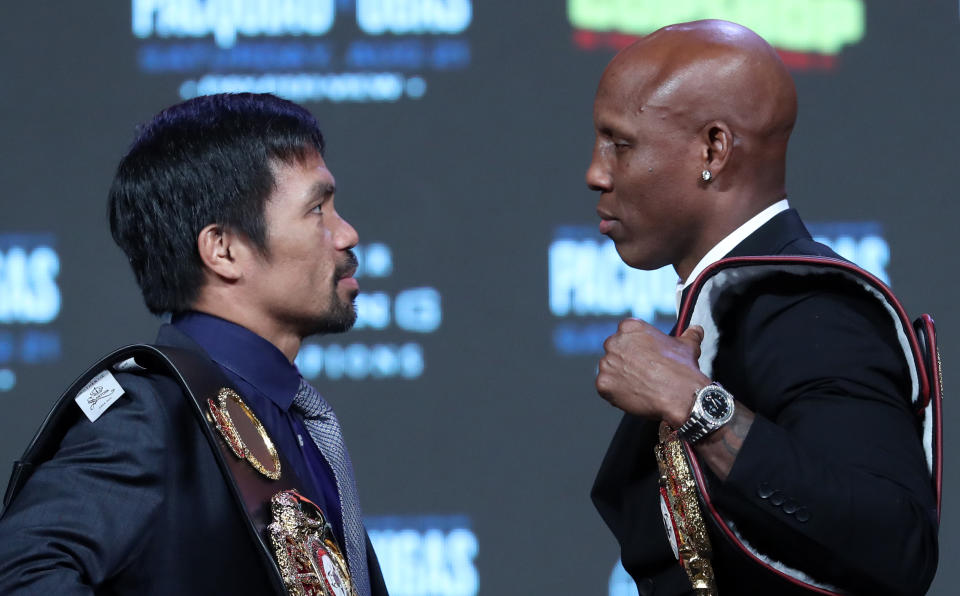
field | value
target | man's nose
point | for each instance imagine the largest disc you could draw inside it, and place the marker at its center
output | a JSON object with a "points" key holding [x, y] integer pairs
{"points": [[347, 236], [598, 175]]}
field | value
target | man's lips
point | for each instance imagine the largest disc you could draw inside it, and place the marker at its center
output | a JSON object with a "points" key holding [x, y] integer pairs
{"points": [[606, 220], [345, 276]]}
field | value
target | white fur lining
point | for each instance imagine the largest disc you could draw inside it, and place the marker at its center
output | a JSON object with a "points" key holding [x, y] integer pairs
{"points": [[702, 315], [785, 569], [928, 438], [724, 279]]}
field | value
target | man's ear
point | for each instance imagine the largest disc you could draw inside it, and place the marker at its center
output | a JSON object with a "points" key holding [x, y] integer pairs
{"points": [[717, 147], [222, 251]]}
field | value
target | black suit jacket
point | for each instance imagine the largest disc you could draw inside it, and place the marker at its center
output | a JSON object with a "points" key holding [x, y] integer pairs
{"points": [[831, 478], [134, 503]]}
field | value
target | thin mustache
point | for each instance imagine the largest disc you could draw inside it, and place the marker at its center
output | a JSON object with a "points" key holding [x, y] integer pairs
{"points": [[350, 264]]}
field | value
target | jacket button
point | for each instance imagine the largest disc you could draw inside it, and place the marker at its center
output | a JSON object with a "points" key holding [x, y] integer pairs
{"points": [[777, 498], [803, 514], [764, 491], [790, 507]]}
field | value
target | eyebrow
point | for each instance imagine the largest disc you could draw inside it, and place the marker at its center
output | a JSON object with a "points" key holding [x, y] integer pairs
{"points": [[323, 190], [614, 132]]}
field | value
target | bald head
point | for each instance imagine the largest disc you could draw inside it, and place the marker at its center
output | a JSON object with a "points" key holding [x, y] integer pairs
{"points": [[709, 70], [692, 123], [695, 73]]}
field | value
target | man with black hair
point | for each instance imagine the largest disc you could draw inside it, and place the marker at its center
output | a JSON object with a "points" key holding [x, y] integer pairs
{"points": [[225, 208]]}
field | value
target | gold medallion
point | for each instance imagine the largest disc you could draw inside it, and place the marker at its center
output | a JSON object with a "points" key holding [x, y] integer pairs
{"points": [[246, 425], [686, 528], [310, 561]]}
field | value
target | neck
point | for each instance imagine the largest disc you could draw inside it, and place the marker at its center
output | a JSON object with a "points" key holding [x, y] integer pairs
{"points": [[730, 210], [283, 337]]}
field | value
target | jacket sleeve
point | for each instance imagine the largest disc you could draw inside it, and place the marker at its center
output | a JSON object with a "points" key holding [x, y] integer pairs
{"points": [[831, 478], [87, 512]]}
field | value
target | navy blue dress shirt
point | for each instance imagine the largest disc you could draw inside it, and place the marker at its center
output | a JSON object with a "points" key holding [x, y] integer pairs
{"points": [[268, 383]]}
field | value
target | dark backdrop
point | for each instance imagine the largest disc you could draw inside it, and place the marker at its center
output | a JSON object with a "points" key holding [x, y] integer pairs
{"points": [[475, 436]]}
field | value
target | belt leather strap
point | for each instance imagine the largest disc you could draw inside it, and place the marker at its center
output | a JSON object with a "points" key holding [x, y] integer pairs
{"points": [[200, 379]]}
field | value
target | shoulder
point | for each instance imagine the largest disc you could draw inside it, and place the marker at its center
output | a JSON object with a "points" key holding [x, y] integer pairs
{"points": [[806, 246], [787, 333], [134, 430], [123, 417]]}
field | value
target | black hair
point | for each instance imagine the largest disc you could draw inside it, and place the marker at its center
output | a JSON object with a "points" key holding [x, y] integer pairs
{"points": [[204, 161]]}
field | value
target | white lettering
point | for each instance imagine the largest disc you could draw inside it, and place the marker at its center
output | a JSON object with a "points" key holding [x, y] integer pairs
{"points": [[359, 361], [434, 562], [224, 19], [374, 260], [28, 290], [587, 277], [357, 87], [373, 310], [401, 17], [871, 252], [418, 309]]}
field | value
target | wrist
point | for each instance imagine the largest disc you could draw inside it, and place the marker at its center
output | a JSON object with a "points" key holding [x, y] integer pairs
{"points": [[713, 407], [682, 407]]}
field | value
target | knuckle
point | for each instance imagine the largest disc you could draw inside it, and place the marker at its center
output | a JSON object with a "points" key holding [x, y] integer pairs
{"points": [[602, 367], [601, 384]]}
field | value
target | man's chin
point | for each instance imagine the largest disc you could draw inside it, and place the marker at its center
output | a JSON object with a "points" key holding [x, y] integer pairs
{"points": [[639, 259], [339, 319]]}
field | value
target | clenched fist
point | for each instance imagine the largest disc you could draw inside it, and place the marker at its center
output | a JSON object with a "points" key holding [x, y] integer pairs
{"points": [[650, 374]]}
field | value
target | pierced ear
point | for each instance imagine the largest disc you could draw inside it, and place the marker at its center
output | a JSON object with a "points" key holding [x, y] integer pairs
{"points": [[717, 146], [219, 250]]}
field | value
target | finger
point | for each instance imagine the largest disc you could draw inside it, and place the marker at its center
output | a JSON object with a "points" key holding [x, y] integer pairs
{"points": [[692, 335], [609, 343], [632, 325], [603, 386]]}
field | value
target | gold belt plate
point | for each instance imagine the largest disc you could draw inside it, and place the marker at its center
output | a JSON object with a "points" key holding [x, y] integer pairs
{"points": [[679, 492], [243, 432], [306, 551]]}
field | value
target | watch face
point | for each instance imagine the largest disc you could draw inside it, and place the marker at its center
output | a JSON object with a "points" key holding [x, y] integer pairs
{"points": [[715, 405]]}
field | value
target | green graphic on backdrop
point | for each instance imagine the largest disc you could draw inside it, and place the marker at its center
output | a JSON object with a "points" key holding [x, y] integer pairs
{"points": [[815, 26]]}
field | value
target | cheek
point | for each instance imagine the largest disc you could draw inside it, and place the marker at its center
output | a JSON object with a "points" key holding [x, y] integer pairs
{"points": [[635, 184], [638, 167]]}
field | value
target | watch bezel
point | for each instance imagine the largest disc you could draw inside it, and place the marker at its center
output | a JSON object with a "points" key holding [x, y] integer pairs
{"points": [[700, 423], [715, 390]]}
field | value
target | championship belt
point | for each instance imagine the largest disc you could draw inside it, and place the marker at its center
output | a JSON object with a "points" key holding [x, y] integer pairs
{"points": [[303, 543], [688, 508], [290, 533], [310, 561], [684, 523]]}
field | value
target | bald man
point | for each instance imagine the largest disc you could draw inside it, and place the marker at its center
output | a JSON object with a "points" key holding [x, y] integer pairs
{"points": [[820, 467]]}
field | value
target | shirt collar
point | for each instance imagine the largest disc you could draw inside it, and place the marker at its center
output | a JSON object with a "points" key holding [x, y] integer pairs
{"points": [[729, 243], [244, 353]]}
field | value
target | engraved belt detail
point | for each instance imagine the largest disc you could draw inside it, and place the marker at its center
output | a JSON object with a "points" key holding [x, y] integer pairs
{"points": [[310, 561], [678, 490], [220, 414]]}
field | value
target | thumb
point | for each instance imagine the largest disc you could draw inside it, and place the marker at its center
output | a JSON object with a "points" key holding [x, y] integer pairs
{"points": [[692, 335]]}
